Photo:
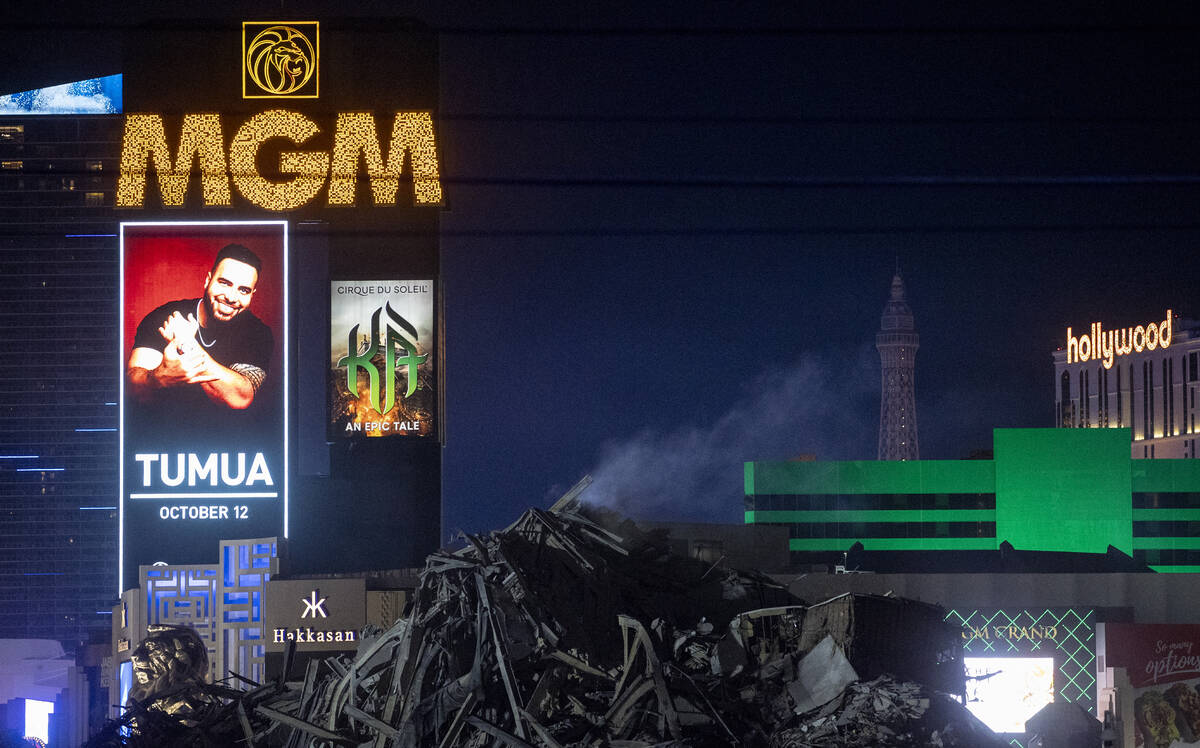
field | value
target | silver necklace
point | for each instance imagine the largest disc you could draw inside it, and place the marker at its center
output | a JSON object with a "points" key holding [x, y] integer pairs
{"points": [[200, 330]]}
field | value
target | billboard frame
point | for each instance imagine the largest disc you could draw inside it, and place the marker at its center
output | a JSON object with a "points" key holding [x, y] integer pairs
{"points": [[121, 364]]}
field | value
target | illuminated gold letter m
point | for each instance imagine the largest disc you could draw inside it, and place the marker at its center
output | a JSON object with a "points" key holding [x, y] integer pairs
{"points": [[145, 141]]}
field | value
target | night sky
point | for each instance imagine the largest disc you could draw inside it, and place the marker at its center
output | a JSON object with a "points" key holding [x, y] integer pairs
{"points": [[672, 228]]}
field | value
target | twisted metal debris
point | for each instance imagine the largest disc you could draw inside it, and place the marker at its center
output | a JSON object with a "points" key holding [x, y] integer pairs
{"points": [[571, 629]]}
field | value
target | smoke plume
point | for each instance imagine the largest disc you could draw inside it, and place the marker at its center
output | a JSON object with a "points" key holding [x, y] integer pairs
{"points": [[823, 405]]}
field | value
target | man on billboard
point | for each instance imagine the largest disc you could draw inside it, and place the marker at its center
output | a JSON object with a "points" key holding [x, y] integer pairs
{"points": [[207, 351]]}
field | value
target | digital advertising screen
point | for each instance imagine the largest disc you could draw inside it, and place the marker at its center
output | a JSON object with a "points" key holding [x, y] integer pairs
{"points": [[203, 388], [1018, 660], [381, 359], [1162, 662], [1004, 692]]}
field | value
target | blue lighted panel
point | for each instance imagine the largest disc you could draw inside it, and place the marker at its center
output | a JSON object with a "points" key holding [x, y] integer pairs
{"points": [[246, 567], [184, 596], [92, 96]]}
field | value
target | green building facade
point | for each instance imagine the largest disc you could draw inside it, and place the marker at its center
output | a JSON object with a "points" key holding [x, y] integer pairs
{"points": [[1074, 490]]}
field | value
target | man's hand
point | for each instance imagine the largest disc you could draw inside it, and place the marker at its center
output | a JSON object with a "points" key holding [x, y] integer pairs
{"points": [[184, 362], [180, 330]]}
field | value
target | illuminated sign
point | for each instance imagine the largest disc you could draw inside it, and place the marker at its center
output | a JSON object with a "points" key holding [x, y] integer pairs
{"points": [[1154, 653], [325, 617], [203, 366], [1162, 662], [1032, 633], [91, 96], [1004, 692], [1022, 658], [1104, 345], [308, 635], [280, 60], [313, 605], [381, 358], [144, 147]]}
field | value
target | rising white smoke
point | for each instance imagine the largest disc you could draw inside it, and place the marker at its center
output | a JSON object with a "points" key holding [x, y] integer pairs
{"points": [[827, 406]]}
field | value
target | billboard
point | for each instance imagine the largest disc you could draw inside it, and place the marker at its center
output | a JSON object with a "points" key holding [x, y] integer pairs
{"points": [[1005, 692], [91, 96], [1163, 665], [381, 358], [1018, 660], [203, 388]]}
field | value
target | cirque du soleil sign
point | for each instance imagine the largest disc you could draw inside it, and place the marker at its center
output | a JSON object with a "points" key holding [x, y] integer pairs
{"points": [[279, 61], [1105, 345]]}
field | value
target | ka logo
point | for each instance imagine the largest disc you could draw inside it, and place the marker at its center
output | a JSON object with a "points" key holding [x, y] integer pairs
{"points": [[280, 60], [313, 606], [387, 343]]}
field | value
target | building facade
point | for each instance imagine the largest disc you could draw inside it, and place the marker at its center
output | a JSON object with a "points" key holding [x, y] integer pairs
{"points": [[58, 478], [247, 611], [1143, 378], [1048, 490], [67, 287]]}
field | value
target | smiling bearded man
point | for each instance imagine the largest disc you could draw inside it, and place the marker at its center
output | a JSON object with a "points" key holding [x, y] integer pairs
{"points": [[211, 349]]}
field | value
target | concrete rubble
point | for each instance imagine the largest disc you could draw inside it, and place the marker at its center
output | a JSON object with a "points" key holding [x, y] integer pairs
{"points": [[574, 628]]}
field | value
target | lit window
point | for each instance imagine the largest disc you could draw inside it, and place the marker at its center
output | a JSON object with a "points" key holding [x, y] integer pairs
{"points": [[93, 199]]}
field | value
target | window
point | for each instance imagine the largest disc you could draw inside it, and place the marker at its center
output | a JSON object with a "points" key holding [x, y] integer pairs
{"points": [[1064, 399], [1120, 411], [93, 199]]}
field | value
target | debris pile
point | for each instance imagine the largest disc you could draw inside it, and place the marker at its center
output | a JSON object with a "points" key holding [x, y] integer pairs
{"points": [[886, 712], [171, 704], [574, 629]]}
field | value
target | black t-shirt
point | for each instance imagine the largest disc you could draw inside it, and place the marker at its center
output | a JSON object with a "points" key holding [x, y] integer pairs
{"points": [[243, 340]]}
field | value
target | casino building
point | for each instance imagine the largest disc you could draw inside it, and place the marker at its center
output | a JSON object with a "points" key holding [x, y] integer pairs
{"points": [[1047, 490], [58, 476], [247, 608], [1039, 553], [196, 131], [1140, 377]]}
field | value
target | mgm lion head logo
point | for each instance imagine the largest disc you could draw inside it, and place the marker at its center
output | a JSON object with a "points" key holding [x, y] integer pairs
{"points": [[280, 60]]}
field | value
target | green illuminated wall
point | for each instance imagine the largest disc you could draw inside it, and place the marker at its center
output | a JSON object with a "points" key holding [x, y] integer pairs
{"points": [[1176, 485], [1064, 489], [1167, 476], [1051, 489], [873, 476], [913, 478]]}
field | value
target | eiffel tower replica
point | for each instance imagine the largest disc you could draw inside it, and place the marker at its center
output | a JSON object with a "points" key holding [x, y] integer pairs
{"points": [[897, 342]]}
